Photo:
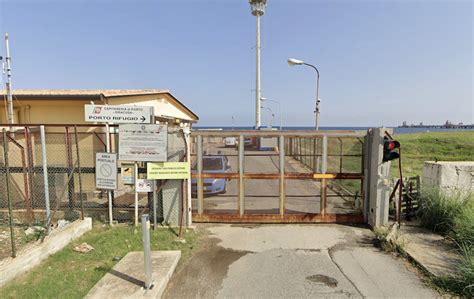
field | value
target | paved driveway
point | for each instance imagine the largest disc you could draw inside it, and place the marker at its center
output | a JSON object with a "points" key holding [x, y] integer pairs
{"points": [[294, 261]]}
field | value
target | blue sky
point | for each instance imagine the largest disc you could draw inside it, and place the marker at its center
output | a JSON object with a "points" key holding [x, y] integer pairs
{"points": [[381, 62]]}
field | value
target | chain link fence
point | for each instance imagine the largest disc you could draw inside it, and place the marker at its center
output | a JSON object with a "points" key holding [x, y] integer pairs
{"points": [[70, 155]]}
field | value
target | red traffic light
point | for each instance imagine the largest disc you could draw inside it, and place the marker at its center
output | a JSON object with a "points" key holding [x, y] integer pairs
{"points": [[393, 144], [388, 147]]}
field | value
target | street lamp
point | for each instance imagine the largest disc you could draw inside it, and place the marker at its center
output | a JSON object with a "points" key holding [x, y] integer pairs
{"points": [[279, 110], [258, 9], [292, 62], [272, 115]]}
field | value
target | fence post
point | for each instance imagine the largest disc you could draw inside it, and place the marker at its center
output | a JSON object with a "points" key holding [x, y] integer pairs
{"points": [[29, 161], [70, 163], [323, 201], [45, 173], [79, 172], [7, 187], [200, 191], [109, 193], [147, 251], [282, 175], [241, 176]]}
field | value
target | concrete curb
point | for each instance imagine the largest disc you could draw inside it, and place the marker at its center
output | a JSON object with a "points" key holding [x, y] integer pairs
{"points": [[126, 279], [35, 253]]}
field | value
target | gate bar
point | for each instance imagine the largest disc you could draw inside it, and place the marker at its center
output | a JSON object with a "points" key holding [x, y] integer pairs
{"points": [[241, 175], [282, 175], [200, 191]]}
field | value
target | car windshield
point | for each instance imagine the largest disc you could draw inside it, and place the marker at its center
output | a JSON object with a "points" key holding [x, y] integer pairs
{"points": [[212, 163]]}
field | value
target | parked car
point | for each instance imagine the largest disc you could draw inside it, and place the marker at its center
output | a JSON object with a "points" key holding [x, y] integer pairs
{"points": [[251, 142], [212, 164]]}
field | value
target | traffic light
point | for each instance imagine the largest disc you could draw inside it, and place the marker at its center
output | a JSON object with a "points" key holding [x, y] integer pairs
{"points": [[388, 147]]}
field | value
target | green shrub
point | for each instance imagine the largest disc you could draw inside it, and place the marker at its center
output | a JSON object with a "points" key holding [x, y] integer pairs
{"points": [[438, 210], [463, 224], [453, 216]]}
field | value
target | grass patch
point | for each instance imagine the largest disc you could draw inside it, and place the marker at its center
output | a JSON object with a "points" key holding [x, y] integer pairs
{"points": [[69, 274], [390, 239], [441, 146], [452, 215]]}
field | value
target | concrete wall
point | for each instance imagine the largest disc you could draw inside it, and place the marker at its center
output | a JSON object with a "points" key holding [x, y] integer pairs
{"points": [[449, 176], [35, 253]]}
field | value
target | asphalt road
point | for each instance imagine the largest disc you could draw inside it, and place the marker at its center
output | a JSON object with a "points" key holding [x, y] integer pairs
{"points": [[294, 261], [262, 196]]}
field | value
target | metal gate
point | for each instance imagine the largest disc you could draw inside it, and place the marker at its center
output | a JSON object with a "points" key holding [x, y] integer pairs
{"points": [[278, 176]]}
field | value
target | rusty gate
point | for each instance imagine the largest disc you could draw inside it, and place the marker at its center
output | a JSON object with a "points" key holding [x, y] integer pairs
{"points": [[278, 176]]}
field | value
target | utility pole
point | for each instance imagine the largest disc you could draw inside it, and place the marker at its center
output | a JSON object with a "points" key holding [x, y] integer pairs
{"points": [[9, 81], [258, 9]]}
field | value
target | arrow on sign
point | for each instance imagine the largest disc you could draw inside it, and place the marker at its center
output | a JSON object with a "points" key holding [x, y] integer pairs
{"points": [[143, 118]]}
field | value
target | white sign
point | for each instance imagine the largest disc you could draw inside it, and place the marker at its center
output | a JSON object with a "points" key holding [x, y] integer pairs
{"points": [[144, 185], [106, 171], [119, 114], [146, 143]]}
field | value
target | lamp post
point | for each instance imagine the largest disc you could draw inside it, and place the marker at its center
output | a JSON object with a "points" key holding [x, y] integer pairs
{"points": [[279, 110], [272, 115], [292, 62], [258, 9]]}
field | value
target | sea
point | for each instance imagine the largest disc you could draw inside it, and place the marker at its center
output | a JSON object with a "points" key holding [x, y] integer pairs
{"points": [[396, 130]]}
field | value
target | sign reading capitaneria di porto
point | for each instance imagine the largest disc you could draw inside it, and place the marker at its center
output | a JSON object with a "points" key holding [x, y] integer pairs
{"points": [[119, 114]]}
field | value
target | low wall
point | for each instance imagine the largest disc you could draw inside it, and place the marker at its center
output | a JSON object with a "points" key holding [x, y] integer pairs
{"points": [[35, 253], [449, 176]]}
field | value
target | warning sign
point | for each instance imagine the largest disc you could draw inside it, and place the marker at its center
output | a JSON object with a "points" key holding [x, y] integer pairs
{"points": [[128, 172], [106, 171], [168, 171], [144, 185]]}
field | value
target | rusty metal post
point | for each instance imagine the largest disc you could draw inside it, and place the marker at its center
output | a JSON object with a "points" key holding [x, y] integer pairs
{"points": [[323, 205], [7, 187], [282, 175], [29, 162], [28, 203], [323, 201], [200, 191], [241, 176], [70, 184], [79, 172]]}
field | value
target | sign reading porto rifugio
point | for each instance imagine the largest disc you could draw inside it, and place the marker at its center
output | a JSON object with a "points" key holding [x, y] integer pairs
{"points": [[147, 143], [119, 114], [106, 171]]}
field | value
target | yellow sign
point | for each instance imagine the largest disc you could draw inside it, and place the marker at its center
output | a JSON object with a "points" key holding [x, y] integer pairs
{"points": [[168, 171]]}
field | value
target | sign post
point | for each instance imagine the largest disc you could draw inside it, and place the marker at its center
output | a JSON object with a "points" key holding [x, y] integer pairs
{"points": [[120, 114]]}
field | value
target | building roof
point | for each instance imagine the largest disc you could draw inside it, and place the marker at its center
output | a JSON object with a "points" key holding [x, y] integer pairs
{"points": [[81, 93], [86, 92]]}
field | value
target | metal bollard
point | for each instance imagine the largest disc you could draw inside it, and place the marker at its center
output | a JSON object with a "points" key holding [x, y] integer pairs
{"points": [[147, 250]]}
